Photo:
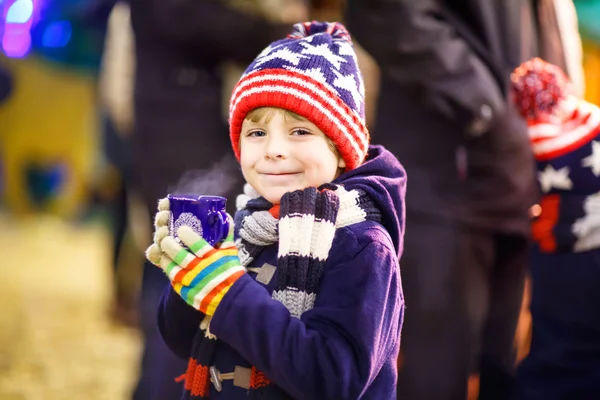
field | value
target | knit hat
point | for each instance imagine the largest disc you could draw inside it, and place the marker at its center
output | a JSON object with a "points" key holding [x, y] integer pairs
{"points": [[538, 87], [314, 73], [564, 132], [558, 121]]}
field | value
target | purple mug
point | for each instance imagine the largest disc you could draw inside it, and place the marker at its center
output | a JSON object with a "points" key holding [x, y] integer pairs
{"points": [[206, 215]]}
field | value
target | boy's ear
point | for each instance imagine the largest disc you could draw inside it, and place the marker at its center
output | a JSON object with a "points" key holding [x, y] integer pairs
{"points": [[341, 163]]}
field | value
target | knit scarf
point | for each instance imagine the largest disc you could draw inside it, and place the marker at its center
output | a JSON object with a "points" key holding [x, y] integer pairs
{"points": [[304, 226]]}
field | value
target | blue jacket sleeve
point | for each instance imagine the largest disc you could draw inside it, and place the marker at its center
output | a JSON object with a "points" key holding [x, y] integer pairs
{"points": [[178, 323], [335, 350]]}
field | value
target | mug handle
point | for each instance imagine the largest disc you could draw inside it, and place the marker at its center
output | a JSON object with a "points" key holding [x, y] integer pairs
{"points": [[224, 224]]}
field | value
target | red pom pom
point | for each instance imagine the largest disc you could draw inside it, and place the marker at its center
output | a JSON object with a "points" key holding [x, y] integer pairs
{"points": [[335, 29], [537, 88]]}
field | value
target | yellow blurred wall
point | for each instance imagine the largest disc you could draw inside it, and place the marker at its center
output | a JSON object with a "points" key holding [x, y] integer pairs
{"points": [[591, 65], [51, 116]]}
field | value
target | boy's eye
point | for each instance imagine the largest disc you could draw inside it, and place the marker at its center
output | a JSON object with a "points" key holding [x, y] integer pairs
{"points": [[256, 134], [301, 132]]}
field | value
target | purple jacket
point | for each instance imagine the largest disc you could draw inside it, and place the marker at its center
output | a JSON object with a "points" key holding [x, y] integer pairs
{"points": [[346, 347]]}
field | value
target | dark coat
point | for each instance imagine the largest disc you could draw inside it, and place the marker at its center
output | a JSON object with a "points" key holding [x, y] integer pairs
{"points": [[444, 108], [180, 46]]}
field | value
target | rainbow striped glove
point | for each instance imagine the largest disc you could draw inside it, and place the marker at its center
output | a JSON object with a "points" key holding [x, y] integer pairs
{"points": [[203, 277]]}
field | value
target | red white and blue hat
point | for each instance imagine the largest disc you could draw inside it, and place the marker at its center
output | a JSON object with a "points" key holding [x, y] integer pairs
{"points": [[558, 122], [564, 132], [314, 73]]}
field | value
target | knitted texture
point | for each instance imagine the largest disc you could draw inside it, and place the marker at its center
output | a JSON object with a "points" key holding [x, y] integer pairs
{"points": [[313, 73], [305, 231], [537, 89], [201, 277], [564, 133], [197, 378]]}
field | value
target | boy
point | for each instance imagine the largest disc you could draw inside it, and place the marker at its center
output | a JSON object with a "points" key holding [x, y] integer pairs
{"points": [[307, 304], [564, 360]]}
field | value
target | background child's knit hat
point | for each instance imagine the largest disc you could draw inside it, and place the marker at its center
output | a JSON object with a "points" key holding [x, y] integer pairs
{"points": [[314, 73], [558, 121], [538, 87], [564, 132]]}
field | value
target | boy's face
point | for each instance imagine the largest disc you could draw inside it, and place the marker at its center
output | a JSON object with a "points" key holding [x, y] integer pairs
{"points": [[282, 154]]}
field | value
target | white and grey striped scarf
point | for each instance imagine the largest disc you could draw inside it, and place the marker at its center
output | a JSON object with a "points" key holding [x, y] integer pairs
{"points": [[304, 225]]}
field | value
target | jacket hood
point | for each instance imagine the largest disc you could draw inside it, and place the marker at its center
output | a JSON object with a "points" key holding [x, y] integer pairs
{"points": [[383, 179]]}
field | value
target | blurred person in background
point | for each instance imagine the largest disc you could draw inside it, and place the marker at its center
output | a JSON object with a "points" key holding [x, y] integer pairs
{"points": [[116, 112], [564, 357], [444, 111], [6, 84], [180, 47]]}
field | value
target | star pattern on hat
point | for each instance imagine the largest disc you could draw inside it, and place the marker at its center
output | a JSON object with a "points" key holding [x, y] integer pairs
{"points": [[593, 160], [322, 50], [284, 54], [347, 50], [315, 73], [551, 178], [330, 62], [348, 83]]}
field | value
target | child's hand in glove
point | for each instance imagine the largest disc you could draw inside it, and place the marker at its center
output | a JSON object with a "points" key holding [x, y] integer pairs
{"points": [[203, 277], [161, 230]]}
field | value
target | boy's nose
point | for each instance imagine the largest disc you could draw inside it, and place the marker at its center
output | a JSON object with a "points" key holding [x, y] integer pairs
{"points": [[276, 148]]}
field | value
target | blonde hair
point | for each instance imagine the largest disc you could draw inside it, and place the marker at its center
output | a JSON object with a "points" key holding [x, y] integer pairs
{"points": [[265, 114]]}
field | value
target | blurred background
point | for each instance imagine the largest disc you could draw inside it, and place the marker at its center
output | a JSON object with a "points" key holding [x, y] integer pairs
{"points": [[59, 336], [72, 228]]}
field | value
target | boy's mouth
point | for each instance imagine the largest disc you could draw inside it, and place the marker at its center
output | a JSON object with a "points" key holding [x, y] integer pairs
{"points": [[280, 178], [278, 173]]}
